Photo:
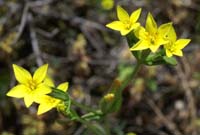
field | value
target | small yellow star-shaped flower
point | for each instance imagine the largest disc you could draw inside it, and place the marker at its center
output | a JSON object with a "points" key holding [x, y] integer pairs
{"points": [[126, 23], [151, 36], [174, 46], [29, 88]]}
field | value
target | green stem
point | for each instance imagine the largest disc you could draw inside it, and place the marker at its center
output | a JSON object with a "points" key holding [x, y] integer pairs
{"points": [[84, 107], [131, 76], [107, 125], [137, 67], [91, 127]]}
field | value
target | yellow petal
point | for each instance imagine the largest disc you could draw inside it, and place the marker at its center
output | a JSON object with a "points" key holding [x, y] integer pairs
{"points": [[42, 99], [135, 26], [140, 45], [178, 53], [63, 86], [49, 81], [140, 32], [181, 43], [21, 74], [168, 53], [19, 91], [45, 99], [46, 104], [42, 89], [44, 108], [116, 25], [151, 25], [154, 48], [135, 15], [168, 32], [160, 41], [29, 99], [38, 99], [122, 14], [40, 74], [125, 31]]}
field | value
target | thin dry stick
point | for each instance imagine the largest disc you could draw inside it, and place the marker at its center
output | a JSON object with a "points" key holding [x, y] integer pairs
{"points": [[73, 20], [24, 17], [80, 130], [22, 23], [40, 3], [169, 124], [188, 92], [35, 46]]}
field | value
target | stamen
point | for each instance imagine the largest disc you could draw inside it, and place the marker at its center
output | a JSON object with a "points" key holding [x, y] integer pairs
{"points": [[127, 25], [32, 85]]}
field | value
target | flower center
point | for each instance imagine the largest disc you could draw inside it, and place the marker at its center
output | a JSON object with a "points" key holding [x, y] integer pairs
{"points": [[127, 24], [32, 85], [51, 100], [170, 46], [152, 39]]}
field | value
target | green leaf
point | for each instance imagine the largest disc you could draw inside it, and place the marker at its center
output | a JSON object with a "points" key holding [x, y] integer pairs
{"points": [[132, 39], [73, 115], [91, 116], [155, 58], [170, 60], [159, 58], [59, 94]]}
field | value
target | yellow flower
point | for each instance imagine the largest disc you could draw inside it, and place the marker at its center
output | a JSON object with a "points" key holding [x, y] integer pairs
{"points": [[29, 87], [126, 23], [109, 97], [47, 102], [151, 36], [174, 47], [107, 4]]}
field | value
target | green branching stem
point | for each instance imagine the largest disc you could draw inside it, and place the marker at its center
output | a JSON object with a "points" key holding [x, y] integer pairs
{"points": [[85, 107]]}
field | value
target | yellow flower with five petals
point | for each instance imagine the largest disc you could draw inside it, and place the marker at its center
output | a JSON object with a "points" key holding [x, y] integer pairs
{"points": [[174, 47], [126, 23], [151, 36], [29, 87]]}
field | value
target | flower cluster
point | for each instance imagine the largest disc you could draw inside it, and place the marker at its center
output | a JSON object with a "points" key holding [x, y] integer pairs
{"points": [[151, 36], [35, 88]]}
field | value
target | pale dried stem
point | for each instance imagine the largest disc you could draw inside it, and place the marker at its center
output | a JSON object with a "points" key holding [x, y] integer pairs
{"points": [[183, 76], [169, 124]]}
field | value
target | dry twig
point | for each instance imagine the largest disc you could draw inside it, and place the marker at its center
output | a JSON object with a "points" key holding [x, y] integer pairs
{"points": [[169, 124], [35, 45], [183, 76]]}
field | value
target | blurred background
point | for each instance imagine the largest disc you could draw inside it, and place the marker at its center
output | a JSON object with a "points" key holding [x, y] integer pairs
{"points": [[71, 36]]}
